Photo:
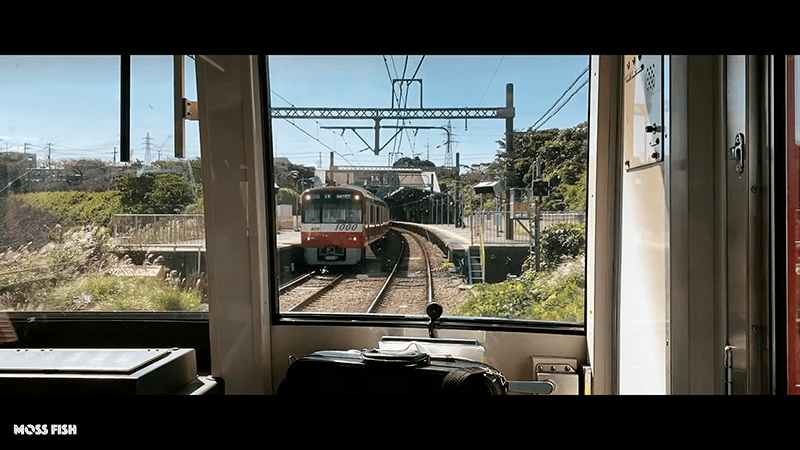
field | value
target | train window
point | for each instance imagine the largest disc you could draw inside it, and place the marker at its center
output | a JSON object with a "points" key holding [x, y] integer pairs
{"points": [[420, 160], [338, 210], [81, 230]]}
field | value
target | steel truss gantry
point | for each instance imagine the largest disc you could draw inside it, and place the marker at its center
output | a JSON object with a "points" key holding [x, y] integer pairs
{"points": [[378, 114]]}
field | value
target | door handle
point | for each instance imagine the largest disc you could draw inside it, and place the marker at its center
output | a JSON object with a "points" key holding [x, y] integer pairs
{"points": [[737, 152]]}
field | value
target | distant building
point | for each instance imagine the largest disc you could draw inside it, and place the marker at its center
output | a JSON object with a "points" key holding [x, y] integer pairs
{"points": [[15, 172]]}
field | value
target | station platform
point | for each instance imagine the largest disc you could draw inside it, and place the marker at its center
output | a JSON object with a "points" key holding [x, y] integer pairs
{"points": [[288, 238]]}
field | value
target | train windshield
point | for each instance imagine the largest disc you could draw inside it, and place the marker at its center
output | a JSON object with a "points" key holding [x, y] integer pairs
{"points": [[485, 171], [340, 211], [331, 208]]}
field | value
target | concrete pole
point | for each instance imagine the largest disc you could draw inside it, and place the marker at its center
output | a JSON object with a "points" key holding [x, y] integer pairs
{"points": [[509, 151]]}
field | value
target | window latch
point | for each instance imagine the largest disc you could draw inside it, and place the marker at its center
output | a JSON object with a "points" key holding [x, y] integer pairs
{"points": [[737, 152]]}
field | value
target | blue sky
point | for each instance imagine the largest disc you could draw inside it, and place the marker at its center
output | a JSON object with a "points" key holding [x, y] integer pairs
{"points": [[447, 81], [74, 105]]}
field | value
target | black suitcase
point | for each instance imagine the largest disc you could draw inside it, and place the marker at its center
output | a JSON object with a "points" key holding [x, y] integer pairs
{"points": [[373, 371]]}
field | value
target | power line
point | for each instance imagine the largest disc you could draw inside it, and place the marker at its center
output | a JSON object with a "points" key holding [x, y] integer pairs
{"points": [[490, 81], [563, 104], [559, 99], [418, 66], [312, 137]]}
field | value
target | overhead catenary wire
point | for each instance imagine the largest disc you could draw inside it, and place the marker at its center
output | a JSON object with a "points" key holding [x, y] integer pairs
{"points": [[563, 104], [534, 126], [491, 80], [314, 138]]}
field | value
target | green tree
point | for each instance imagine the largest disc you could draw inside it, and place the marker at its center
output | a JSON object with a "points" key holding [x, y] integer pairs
{"points": [[155, 193], [171, 194], [132, 192], [565, 157]]}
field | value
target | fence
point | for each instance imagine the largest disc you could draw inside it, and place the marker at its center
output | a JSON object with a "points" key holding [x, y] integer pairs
{"points": [[491, 226], [159, 229]]}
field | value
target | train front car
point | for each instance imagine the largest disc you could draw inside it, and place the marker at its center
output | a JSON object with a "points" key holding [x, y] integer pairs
{"points": [[334, 225]]}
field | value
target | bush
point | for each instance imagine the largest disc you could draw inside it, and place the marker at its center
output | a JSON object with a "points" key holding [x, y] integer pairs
{"points": [[77, 206], [557, 294], [562, 240]]}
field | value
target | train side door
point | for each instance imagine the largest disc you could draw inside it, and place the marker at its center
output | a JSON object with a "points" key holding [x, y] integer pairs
{"points": [[744, 233]]}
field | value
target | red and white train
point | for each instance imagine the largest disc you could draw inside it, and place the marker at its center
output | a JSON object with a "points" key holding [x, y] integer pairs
{"points": [[339, 222]]}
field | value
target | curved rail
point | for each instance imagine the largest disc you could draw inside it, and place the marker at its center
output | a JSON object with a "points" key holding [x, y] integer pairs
{"points": [[429, 277], [389, 279], [432, 309]]}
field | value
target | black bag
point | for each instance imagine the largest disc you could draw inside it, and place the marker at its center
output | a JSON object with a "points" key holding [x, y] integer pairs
{"points": [[374, 371]]}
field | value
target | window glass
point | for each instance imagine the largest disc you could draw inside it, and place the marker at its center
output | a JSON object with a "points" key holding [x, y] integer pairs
{"points": [[427, 136], [338, 210], [311, 213], [79, 229]]}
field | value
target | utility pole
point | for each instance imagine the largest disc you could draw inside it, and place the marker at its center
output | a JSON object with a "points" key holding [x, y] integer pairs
{"points": [[49, 148], [510, 152], [540, 188], [537, 223]]}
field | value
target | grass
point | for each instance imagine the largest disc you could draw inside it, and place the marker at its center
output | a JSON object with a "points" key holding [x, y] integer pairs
{"points": [[114, 293], [74, 273]]}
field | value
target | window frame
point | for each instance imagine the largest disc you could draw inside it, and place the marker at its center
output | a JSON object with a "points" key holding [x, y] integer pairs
{"points": [[285, 318]]}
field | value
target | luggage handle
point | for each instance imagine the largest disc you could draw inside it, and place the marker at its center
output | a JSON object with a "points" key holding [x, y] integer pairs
{"points": [[406, 356]]}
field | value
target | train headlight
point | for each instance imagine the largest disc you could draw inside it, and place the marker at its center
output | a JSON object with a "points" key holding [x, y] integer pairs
{"points": [[357, 197], [352, 238]]}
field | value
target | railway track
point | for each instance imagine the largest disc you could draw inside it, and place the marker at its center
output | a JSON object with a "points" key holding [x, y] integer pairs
{"points": [[406, 289]]}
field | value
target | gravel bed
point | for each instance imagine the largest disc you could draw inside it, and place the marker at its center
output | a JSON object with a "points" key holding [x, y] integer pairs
{"points": [[407, 297], [351, 295]]}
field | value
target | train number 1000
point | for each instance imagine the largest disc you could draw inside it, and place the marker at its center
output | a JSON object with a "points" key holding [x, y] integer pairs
{"points": [[346, 226]]}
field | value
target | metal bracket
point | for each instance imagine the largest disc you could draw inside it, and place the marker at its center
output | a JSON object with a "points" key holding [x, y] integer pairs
{"points": [[737, 152], [190, 110], [560, 372]]}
